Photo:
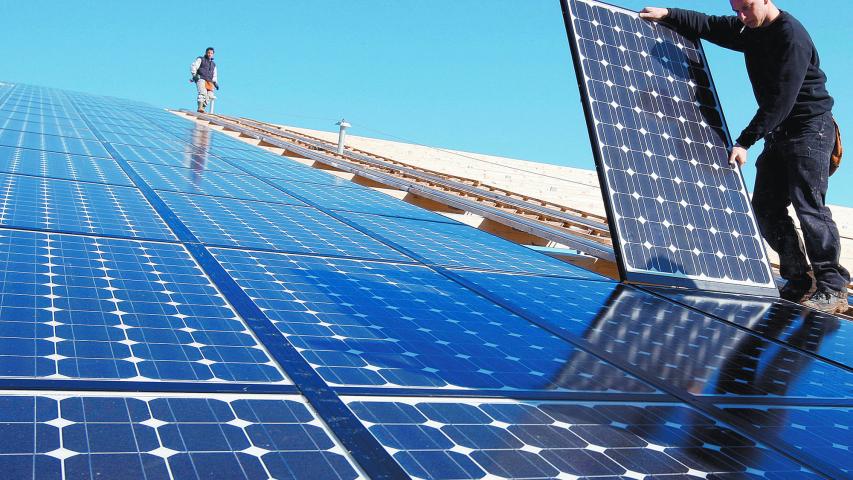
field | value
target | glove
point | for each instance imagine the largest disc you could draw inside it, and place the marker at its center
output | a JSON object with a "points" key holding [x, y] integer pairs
{"points": [[194, 79], [216, 85]]}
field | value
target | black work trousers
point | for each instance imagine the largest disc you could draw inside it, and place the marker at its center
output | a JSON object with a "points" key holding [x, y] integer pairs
{"points": [[793, 170]]}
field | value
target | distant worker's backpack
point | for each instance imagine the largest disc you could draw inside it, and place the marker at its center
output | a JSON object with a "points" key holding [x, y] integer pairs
{"points": [[837, 150]]}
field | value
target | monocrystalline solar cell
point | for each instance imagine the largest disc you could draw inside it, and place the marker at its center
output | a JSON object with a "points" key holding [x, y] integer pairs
{"points": [[366, 323], [285, 169], [63, 205], [475, 438], [53, 143], [679, 213], [358, 199], [288, 228], [47, 127], [458, 245], [155, 140], [824, 335], [61, 165], [198, 179], [128, 351], [188, 158], [85, 307], [151, 436], [680, 347], [822, 432]]}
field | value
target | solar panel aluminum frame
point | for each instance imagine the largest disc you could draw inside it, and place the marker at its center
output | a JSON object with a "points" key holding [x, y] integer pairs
{"points": [[626, 273]]}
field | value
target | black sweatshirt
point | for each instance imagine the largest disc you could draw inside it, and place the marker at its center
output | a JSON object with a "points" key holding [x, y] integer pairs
{"points": [[782, 63]]}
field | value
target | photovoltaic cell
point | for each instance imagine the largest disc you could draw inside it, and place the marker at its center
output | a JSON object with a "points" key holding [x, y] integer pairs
{"points": [[86, 307], [47, 127], [288, 228], [357, 199], [281, 168], [822, 432], [458, 245], [544, 397], [188, 158], [680, 347], [155, 140], [61, 165], [167, 437], [201, 181], [63, 205], [825, 335], [480, 438], [367, 323], [52, 143], [681, 214]]}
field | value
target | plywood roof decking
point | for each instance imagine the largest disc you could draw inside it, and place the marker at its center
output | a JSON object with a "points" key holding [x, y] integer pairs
{"points": [[570, 186]]}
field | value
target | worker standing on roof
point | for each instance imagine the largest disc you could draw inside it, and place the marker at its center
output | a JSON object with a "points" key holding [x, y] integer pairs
{"points": [[203, 71], [795, 119]]}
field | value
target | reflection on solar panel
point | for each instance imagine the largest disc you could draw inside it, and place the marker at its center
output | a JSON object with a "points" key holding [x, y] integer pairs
{"points": [[680, 215], [177, 304], [663, 338], [393, 311], [457, 245], [473, 438], [823, 432], [825, 335]]}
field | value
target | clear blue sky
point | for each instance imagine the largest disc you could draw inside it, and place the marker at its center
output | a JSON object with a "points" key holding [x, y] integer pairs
{"points": [[490, 76]]}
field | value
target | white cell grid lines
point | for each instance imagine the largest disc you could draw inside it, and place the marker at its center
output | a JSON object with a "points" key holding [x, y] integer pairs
{"points": [[680, 212]]}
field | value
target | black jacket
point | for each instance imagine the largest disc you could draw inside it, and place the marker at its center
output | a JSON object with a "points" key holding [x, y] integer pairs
{"points": [[782, 63]]}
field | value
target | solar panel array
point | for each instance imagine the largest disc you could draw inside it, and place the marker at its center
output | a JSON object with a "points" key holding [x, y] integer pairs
{"points": [[175, 303], [679, 214]]}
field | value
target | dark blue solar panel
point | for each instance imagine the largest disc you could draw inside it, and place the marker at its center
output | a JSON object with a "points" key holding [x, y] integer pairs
{"points": [[458, 245], [49, 204], [289, 170], [681, 347], [822, 432], [363, 200], [32, 116], [826, 335], [366, 323], [681, 213], [289, 228], [61, 165], [340, 312], [46, 126], [479, 438], [156, 140], [87, 307], [200, 180], [52, 143], [253, 155], [188, 158], [164, 437]]}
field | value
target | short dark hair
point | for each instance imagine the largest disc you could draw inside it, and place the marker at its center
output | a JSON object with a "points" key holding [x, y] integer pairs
{"points": [[209, 49]]}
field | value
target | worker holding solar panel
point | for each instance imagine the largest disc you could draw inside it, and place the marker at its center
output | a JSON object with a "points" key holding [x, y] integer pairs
{"points": [[801, 140], [203, 71]]}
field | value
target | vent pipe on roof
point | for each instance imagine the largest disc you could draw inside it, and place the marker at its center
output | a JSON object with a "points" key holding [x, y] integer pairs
{"points": [[342, 135]]}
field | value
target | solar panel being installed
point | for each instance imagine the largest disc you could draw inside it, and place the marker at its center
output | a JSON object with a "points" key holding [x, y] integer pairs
{"points": [[679, 213], [154, 323]]}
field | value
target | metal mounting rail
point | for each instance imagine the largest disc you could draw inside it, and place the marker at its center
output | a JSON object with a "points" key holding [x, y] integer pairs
{"points": [[559, 218], [502, 193], [575, 240]]}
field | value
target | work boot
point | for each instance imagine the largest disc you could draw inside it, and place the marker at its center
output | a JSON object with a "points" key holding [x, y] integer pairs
{"points": [[796, 289], [828, 301], [200, 107]]}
